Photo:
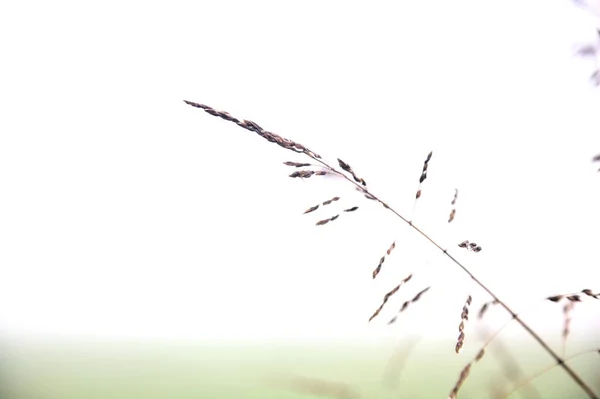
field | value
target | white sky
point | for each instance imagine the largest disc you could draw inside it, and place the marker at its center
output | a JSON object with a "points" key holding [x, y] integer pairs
{"points": [[125, 212]]}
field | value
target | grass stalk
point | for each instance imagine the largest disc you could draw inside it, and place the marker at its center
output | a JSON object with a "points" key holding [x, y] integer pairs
{"points": [[360, 184]]}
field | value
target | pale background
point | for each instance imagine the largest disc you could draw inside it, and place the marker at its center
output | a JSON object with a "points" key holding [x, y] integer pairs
{"points": [[126, 213]]}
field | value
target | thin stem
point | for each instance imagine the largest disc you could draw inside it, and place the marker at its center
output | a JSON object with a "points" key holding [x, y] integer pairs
{"points": [[296, 147], [544, 371]]}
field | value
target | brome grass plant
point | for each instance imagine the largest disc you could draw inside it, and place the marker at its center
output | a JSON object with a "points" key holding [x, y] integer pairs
{"points": [[314, 166]]}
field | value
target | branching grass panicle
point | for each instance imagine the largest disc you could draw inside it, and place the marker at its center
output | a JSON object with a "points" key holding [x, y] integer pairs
{"points": [[319, 167]]}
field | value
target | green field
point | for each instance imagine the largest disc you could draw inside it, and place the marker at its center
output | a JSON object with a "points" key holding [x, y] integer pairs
{"points": [[103, 369]]}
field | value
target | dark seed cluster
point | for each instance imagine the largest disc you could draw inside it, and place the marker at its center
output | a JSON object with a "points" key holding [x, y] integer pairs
{"points": [[471, 246]]}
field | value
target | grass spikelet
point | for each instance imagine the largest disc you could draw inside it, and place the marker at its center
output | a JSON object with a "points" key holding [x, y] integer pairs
{"points": [[425, 165], [325, 221], [590, 293], [351, 209], [485, 307], [348, 169], [366, 193], [303, 174], [331, 200], [297, 164], [451, 217], [389, 294], [470, 246], [391, 248], [571, 300], [308, 173], [574, 297], [378, 268], [311, 209], [422, 178], [464, 317], [464, 374], [407, 303], [324, 203], [567, 309], [453, 211]]}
